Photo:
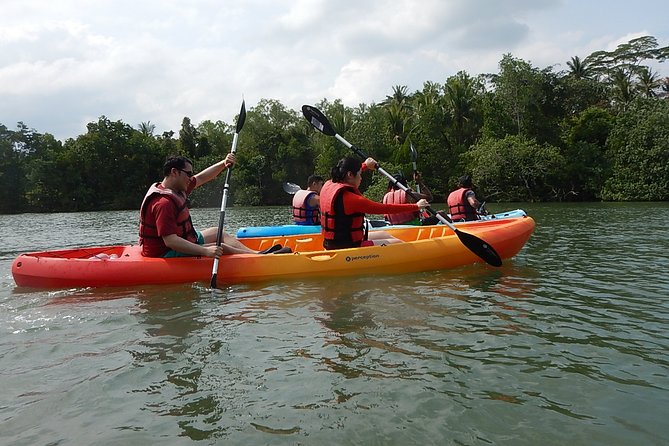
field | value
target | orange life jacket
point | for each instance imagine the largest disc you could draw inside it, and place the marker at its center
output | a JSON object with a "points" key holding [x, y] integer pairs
{"points": [[340, 230], [303, 214], [184, 222], [459, 207], [398, 197]]}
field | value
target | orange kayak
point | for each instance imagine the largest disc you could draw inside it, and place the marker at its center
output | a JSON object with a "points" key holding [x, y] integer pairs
{"points": [[425, 248]]}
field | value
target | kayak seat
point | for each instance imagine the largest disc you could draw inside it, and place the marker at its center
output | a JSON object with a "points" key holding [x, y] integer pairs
{"points": [[302, 243], [429, 232]]}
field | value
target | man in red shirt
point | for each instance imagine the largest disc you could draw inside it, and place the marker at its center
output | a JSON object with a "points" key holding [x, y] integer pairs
{"points": [[166, 228]]}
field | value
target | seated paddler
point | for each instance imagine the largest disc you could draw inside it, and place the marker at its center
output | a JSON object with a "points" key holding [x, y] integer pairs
{"points": [[395, 194], [165, 225], [306, 202], [343, 208]]}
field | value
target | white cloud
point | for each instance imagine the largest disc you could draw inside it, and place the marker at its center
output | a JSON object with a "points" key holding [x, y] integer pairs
{"points": [[63, 64], [362, 80]]}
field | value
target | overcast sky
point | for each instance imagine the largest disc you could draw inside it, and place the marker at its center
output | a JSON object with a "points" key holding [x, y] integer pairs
{"points": [[65, 63]]}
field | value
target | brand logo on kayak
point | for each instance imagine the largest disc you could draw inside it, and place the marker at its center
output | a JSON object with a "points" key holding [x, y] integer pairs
{"points": [[368, 257]]}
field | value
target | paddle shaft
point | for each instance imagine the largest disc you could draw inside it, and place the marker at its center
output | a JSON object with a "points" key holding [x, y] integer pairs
{"points": [[224, 200], [221, 220], [226, 189], [414, 157], [414, 172]]}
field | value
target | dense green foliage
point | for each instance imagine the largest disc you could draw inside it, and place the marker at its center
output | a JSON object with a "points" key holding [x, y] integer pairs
{"points": [[638, 149], [598, 131]]}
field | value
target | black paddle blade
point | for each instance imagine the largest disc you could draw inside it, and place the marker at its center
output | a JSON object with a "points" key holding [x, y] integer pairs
{"points": [[213, 281], [242, 117], [480, 248], [318, 120]]}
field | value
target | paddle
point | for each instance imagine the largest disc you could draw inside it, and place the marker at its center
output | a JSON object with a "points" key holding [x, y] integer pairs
{"points": [[226, 188], [414, 157], [473, 243], [291, 188]]}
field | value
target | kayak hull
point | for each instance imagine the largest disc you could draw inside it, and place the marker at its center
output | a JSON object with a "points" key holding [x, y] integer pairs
{"points": [[283, 230], [426, 248]]}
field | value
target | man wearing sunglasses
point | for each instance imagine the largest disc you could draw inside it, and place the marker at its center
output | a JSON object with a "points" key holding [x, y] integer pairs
{"points": [[165, 225]]}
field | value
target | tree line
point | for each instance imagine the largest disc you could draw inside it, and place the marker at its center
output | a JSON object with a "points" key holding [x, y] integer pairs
{"points": [[598, 130]]}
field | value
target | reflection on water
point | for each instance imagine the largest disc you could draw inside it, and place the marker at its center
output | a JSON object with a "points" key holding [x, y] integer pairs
{"points": [[566, 344]]}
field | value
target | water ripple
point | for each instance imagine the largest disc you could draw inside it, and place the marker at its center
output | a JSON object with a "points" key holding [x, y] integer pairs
{"points": [[565, 344]]}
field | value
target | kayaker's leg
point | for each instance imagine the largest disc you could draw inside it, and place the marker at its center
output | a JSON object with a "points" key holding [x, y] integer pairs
{"points": [[382, 238], [230, 244]]}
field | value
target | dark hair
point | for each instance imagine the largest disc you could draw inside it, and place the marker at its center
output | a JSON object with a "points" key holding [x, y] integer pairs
{"points": [[344, 166], [400, 178], [175, 162], [465, 181], [314, 179]]}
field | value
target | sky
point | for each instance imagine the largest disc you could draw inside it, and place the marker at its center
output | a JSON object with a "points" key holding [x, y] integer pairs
{"points": [[66, 63]]}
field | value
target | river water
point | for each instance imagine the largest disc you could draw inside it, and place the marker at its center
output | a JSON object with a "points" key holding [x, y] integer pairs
{"points": [[568, 343]]}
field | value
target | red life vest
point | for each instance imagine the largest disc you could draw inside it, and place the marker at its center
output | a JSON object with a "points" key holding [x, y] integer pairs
{"points": [[398, 197], [459, 207], [340, 230], [184, 222], [303, 214]]}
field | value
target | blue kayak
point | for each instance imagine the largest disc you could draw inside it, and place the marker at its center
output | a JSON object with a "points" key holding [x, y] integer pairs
{"points": [[287, 230]]}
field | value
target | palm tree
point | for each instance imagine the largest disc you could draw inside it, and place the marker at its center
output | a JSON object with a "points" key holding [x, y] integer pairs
{"points": [[580, 69], [399, 109], [146, 128], [623, 88], [399, 122], [342, 120], [461, 98], [399, 95], [648, 82], [428, 97]]}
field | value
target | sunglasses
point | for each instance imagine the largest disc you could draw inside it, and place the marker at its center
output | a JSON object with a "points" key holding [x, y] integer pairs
{"points": [[190, 173]]}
